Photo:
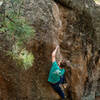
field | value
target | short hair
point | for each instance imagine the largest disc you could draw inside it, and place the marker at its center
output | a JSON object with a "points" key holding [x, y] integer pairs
{"points": [[63, 64]]}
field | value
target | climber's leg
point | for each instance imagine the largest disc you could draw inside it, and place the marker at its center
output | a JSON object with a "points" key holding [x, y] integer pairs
{"points": [[63, 79], [57, 88]]}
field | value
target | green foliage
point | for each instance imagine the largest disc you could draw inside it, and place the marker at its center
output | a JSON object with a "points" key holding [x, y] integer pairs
{"points": [[15, 24], [22, 57], [19, 32], [3, 29], [27, 58]]}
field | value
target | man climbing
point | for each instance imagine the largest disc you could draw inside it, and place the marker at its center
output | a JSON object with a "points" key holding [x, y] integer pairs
{"points": [[57, 74]]}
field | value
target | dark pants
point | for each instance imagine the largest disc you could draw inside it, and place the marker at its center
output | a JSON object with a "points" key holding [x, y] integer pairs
{"points": [[57, 88]]}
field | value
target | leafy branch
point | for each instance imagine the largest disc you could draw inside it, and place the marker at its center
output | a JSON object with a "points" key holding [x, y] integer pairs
{"points": [[21, 32]]}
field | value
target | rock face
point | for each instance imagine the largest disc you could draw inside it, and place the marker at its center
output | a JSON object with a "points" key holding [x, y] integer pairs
{"points": [[69, 24], [97, 22]]}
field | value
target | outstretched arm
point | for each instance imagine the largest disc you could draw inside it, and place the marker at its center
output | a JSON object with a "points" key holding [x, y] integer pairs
{"points": [[54, 54]]}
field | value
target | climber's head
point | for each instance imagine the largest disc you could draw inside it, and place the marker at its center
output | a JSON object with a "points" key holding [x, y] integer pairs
{"points": [[62, 63]]}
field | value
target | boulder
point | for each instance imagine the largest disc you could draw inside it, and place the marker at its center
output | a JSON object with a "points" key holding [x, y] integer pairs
{"points": [[69, 24]]}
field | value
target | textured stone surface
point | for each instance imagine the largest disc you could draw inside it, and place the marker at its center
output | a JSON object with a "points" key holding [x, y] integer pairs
{"points": [[70, 24], [74, 32], [97, 22], [78, 4]]}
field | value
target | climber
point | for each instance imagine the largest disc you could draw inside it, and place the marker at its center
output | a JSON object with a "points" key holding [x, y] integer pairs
{"points": [[57, 74]]}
